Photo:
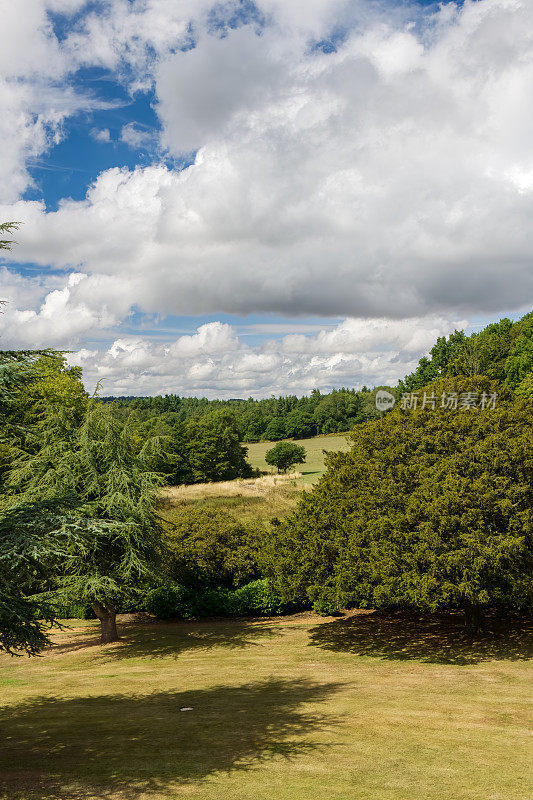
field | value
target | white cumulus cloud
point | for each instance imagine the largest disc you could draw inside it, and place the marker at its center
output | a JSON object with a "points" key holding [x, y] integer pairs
{"points": [[364, 160], [218, 362]]}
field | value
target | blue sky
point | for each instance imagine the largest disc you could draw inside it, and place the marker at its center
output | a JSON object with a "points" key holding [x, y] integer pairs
{"points": [[68, 168], [245, 198]]}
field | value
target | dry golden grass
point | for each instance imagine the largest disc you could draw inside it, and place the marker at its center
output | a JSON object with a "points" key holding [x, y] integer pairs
{"points": [[253, 501], [377, 706], [242, 487]]}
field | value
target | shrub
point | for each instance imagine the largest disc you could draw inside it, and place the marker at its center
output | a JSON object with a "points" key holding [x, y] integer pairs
{"points": [[168, 601], [256, 598], [210, 548], [211, 603], [325, 607]]}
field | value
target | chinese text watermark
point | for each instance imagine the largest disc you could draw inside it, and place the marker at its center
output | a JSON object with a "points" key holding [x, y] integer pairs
{"points": [[451, 401]]}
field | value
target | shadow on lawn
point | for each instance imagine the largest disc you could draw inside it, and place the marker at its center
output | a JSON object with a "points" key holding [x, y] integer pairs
{"points": [[438, 638], [121, 746], [156, 639]]}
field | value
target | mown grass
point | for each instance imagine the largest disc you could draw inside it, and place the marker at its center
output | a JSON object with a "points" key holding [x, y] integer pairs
{"points": [[373, 706], [313, 467]]}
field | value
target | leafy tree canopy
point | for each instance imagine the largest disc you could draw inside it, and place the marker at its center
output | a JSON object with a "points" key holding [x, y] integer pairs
{"points": [[430, 508], [32, 532], [214, 451], [519, 364], [275, 429], [285, 455]]}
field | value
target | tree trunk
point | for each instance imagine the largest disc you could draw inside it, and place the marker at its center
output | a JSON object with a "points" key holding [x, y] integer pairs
{"points": [[474, 619], [108, 622]]}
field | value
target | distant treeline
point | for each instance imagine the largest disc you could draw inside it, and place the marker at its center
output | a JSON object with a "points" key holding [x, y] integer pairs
{"points": [[272, 418]]}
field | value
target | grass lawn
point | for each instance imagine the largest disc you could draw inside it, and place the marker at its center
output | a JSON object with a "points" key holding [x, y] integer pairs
{"points": [[366, 707], [314, 464]]}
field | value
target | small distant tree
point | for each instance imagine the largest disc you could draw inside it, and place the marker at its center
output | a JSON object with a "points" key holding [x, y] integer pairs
{"points": [[285, 455]]}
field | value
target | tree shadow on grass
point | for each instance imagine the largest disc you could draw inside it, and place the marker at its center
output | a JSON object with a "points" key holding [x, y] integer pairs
{"points": [[157, 639], [312, 472], [121, 746], [436, 638]]}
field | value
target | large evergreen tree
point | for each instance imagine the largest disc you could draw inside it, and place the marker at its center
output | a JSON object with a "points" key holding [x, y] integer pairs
{"points": [[32, 534], [431, 508], [117, 533], [30, 539]]}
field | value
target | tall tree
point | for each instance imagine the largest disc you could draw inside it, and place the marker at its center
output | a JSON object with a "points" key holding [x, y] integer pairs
{"points": [[31, 533], [214, 449], [117, 533], [431, 508]]}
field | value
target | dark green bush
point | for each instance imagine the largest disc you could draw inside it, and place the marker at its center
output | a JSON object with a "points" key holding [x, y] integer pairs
{"points": [[168, 601], [70, 610], [256, 598]]}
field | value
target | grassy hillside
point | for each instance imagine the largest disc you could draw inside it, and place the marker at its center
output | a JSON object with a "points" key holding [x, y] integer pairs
{"points": [[250, 501], [260, 499], [369, 706], [314, 465]]}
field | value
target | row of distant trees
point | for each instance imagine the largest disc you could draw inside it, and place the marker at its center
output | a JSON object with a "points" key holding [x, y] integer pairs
{"points": [[270, 419]]}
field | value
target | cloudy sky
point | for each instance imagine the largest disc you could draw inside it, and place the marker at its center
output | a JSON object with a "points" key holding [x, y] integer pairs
{"points": [[243, 198]]}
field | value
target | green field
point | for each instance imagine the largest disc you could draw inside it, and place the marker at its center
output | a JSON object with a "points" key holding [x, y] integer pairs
{"points": [[373, 706], [314, 464]]}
